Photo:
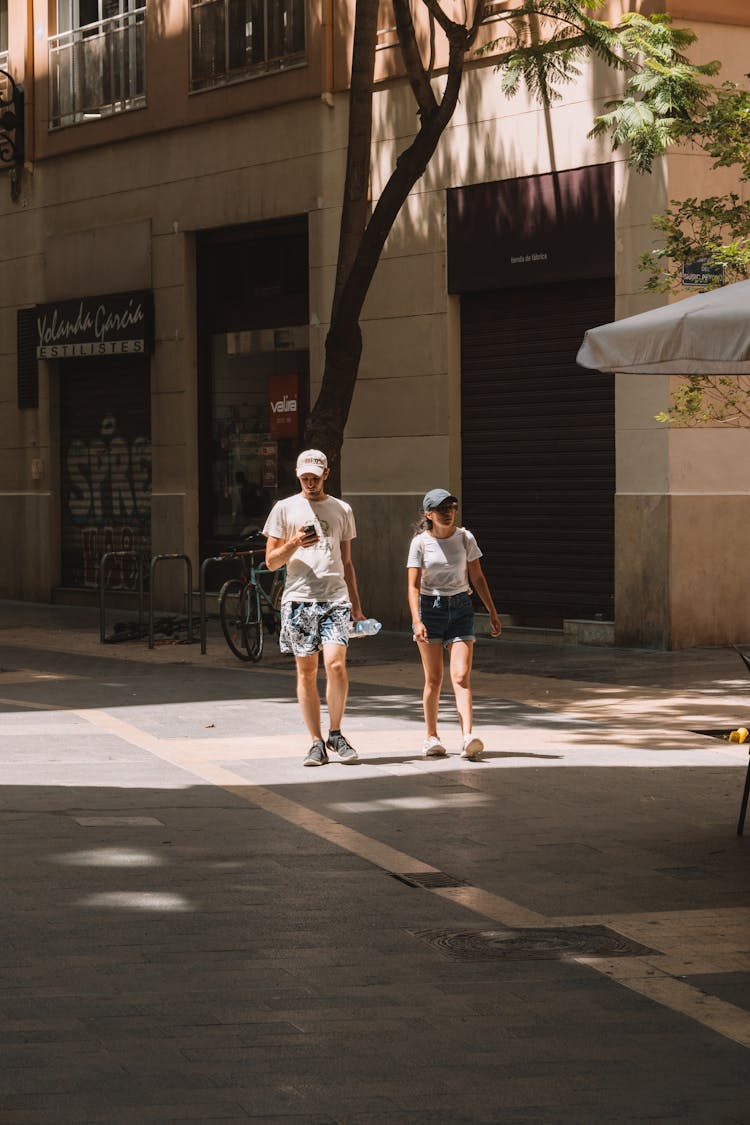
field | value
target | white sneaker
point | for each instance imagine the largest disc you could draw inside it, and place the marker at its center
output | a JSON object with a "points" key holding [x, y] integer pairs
{"points": [[433, 747], [472, 746]]}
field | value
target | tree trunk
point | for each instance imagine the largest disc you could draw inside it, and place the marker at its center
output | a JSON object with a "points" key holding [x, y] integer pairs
{"points": [[359, 256]]}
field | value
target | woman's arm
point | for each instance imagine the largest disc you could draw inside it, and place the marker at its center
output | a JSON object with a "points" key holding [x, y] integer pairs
{"points": [[415, 587], [479, 582]]}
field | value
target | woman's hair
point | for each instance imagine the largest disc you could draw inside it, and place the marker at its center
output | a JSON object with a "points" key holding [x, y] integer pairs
{"points": [[423, 523]]}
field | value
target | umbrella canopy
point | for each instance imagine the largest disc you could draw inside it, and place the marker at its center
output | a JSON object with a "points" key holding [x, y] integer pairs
{"points": [[708, 334]]}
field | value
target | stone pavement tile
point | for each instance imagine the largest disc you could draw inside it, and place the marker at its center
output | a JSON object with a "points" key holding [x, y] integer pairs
{"points": [[59, 1080], [281, 947], [67, 1053], [732, 987], [99, 1109]]}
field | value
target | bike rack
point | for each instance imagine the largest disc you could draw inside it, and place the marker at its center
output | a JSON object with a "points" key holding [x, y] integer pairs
{"points": [[202, 594], [141, 565], [155, 560]]}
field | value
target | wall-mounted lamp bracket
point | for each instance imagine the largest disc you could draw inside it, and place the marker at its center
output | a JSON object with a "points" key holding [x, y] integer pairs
{"points": [[11, 130]]}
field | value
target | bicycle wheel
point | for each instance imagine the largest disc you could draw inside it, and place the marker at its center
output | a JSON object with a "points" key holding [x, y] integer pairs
{"points": [[272, 615], [232, 617], [253, 621]]}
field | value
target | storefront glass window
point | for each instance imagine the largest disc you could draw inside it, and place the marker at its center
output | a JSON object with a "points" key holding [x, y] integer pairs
{"points": [[3, 32], [258, 398]]}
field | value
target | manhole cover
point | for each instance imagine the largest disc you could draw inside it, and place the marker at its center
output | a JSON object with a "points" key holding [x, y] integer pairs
{"points": [[427, 879], [531, 944]]}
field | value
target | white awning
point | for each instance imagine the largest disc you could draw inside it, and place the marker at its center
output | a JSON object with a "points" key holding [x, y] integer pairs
{"points": [[708, 334]]}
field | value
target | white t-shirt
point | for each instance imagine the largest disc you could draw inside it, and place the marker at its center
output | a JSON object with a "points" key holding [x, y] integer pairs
{"points": [[444, 562], [314, 574]]}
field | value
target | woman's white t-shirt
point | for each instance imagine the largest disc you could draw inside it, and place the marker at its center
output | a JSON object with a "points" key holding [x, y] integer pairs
{"points": [[444, 562], [314, 574]]}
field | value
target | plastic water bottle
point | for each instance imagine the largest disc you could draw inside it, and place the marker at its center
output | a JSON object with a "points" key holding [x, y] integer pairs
{"points": [[367, 628]]}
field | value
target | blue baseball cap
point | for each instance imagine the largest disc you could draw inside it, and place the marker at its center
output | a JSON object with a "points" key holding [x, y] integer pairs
{"points": [[435, 497]]}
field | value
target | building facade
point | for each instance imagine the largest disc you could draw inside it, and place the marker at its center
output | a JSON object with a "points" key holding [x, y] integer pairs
{"points": [[168, 246]]}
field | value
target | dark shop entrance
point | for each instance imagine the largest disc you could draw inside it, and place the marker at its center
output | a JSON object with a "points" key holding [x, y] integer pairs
{"points": [[537, 432]]}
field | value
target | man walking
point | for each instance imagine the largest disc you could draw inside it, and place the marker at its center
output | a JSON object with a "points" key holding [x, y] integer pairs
{"points": [[310, 534]]}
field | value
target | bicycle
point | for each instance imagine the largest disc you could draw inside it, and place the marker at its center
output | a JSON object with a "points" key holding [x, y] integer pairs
{"points": [[246, 607]]}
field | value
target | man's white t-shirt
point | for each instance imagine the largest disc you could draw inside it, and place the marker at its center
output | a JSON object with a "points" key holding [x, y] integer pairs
{"points": [[444, 562], [314, 574]]}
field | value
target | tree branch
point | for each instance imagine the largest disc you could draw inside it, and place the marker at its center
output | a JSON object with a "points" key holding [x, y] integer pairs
{"points": [[418, 79], [343, 343]]}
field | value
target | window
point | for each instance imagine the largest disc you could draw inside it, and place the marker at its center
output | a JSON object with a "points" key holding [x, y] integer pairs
{"points": [[253, 369], [3, 34], [258, 387], [236, 39], [96, 60]]}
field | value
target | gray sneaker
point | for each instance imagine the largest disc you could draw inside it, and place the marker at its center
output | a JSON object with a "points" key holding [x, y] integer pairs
{"points": [[344, 751], [316, 755]]}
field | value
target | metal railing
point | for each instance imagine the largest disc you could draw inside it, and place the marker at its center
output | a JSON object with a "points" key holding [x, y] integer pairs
{"points": [[98, 70]]}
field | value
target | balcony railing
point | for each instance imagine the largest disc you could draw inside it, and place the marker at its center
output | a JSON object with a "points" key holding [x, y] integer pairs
{"points": [[98, 70]]}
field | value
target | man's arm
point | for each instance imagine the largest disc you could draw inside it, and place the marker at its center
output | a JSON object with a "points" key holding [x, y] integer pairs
{"points": [[351, 580], [279, 551]]}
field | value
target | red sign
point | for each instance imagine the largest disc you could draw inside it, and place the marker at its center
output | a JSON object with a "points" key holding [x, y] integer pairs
{"points": [[283, 396]]}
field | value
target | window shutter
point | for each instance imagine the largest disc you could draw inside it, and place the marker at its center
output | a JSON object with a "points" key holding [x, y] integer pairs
{"points": [[27, 364]]}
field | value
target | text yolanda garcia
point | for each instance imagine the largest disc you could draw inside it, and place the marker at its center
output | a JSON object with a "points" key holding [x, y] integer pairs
{"points": [[117, 325]]}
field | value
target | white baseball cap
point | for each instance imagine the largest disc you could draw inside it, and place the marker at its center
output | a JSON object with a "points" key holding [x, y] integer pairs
{"points": [[312, 461]]}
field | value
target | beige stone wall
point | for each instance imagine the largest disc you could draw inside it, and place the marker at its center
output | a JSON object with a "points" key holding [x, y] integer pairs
{"points": [[404, 434], [681, 576], [229, 157], [683, 494], [87, 224]]}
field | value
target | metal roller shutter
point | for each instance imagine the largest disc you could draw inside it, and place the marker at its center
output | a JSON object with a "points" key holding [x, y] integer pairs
{"points": [[105, 440], [538, 449]]}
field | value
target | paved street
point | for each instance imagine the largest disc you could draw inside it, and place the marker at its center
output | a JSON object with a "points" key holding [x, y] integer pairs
{"points": [[197, 929]]}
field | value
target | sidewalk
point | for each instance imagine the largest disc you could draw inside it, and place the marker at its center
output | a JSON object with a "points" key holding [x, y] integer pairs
{"points": [[197, 929]]}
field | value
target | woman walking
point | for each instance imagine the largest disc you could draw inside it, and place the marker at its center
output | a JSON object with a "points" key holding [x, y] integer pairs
{"points": [[443, 566]]}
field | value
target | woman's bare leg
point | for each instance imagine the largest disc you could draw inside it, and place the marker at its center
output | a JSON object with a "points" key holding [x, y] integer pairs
{"points": [[432, 663], [462, 654]]}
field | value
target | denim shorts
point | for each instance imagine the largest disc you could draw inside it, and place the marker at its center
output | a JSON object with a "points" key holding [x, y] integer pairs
{"points": [[448, 617], [307, 626]]}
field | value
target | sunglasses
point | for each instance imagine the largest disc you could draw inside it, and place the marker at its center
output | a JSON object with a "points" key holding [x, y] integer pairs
{"points": [[446, 509]]}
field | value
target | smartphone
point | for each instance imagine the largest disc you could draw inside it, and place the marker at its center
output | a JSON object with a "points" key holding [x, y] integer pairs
{"points": [[310, 529]]}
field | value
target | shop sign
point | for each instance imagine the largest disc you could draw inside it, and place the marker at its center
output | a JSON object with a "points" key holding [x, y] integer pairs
{"points": [[117, 324], [700, 273], [532, 230], [283, 395]]}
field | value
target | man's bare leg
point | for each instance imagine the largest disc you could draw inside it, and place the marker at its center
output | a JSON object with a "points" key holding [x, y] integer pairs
{"points": [[337, 687], [307, 694]]}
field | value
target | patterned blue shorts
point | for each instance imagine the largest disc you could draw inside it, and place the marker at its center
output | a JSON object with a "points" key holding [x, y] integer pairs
{"points": [[307, 626]]}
